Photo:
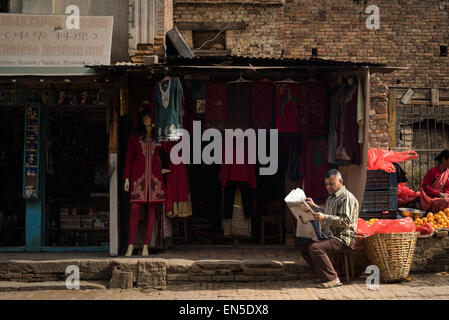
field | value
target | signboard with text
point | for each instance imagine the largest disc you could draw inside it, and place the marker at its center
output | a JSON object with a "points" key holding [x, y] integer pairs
{"points": [[44, 40], [31, 154]]}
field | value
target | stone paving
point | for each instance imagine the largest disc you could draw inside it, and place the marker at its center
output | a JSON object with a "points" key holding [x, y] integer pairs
{"points": [[421, 287]]}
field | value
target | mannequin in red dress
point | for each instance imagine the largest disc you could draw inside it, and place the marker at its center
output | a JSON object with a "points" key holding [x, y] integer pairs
{"points": [[143, 173]]}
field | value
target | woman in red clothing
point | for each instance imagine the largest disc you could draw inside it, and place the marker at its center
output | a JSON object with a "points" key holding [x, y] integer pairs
{"points": [[435, 185], [143, 173]]}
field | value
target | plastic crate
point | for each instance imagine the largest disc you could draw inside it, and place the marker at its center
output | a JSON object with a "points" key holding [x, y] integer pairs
{"points": [[380, 180], [378, 215], [378, 201]]}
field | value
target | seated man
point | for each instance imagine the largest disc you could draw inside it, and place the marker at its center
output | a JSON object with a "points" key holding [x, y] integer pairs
{"points": [[340, 214], [435, 185]]}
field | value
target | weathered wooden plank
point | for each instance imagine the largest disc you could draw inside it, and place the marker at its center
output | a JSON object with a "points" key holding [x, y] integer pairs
{"points": [[392, 120]]}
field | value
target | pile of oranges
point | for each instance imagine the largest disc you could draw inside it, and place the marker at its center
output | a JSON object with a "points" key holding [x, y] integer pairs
{"points": [[436, 220]]}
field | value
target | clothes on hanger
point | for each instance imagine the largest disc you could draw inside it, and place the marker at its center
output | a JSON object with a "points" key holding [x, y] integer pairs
{"points": [[286, 107], [262, 104], [238, 97], [348, 148], [314, 166], [343, 146], [312, 108], [238, 225], [216, 106], [167, 105], [177, 193]]}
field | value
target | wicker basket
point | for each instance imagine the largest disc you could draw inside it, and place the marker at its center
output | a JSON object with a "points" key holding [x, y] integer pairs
{"points": [[392, 253]]}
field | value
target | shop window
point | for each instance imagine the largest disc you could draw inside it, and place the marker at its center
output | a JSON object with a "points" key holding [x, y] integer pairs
{"points": [[208, 41], [77, 181], [12, 204]]}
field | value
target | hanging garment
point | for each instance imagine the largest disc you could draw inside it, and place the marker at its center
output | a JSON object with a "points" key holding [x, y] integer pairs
{"points": [[314, 166], [215, 105], [189, 108], [294, 158], [238, 172], [262, 104], [238, 225], [238, 97], [167, 104], [177, 190], [348, 149], [144, 171], [360, 111], [247, 195], [312, 108], [333, 119], [286, 108]]}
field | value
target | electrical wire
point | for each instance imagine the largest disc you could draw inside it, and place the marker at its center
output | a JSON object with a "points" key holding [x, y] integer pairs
{"points": [[225, 28]]}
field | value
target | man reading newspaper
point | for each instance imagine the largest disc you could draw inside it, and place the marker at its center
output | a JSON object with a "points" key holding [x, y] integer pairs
{"points": [[340, 214]]}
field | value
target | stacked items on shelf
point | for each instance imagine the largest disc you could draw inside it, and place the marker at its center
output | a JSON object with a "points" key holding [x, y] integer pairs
{"points": [[381, 195], [93, 220]]}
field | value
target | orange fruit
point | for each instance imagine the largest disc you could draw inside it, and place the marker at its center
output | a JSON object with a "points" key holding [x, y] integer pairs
{"points": [[436, 216], [429, 214], [440, 212], [430, 219], [424, 220], [446, 210], [440, 221]]}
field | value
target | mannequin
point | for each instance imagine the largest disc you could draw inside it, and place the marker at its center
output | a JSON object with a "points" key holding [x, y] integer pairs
{"points": [[146, 187]]}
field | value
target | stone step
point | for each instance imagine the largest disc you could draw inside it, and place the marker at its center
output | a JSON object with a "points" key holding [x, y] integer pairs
{"points": [[8, 286], [153, 272]]}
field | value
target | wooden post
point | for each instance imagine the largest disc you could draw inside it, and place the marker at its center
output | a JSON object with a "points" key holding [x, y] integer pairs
{"points": [[113, 178], [392, 120]]}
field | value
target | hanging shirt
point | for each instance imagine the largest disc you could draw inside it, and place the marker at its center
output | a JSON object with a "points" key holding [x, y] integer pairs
{"points": [[238, 172], [216, 105], [314, 166], [262, 104], [167, 104], [238, 97], [312, 108], [286, 108]]}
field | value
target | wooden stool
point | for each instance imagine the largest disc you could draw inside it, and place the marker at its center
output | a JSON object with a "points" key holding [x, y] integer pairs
{"points": [[348, 261], [272, 219], [183, 221]]}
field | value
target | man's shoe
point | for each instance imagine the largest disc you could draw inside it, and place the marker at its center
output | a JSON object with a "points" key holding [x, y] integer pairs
{"points": [[330, 284]]}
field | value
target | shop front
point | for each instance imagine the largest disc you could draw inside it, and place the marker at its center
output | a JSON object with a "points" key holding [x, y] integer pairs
{"points": [[230, 204], [55, 161]]}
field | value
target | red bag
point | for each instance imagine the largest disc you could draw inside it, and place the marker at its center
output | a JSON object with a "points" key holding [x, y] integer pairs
{"points": [[406, 195], [425, 229], [393, 226], [363, 228], [380, 159]]}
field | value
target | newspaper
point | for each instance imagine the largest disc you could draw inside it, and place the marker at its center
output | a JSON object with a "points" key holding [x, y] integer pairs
{"points": [[303, 213]]}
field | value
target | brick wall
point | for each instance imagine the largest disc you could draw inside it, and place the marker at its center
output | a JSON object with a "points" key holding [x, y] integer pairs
{"points": [[410, 35]]}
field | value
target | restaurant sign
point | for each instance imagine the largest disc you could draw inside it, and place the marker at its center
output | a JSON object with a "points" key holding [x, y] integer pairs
{"points": [[44, 40]]}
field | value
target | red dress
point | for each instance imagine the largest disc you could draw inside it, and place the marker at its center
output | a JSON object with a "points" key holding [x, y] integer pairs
{"points": [[177, 191], [287, 108], [144, 171]]}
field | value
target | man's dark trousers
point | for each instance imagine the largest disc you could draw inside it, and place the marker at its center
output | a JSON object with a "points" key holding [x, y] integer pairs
{"points": [[316, 254]]}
